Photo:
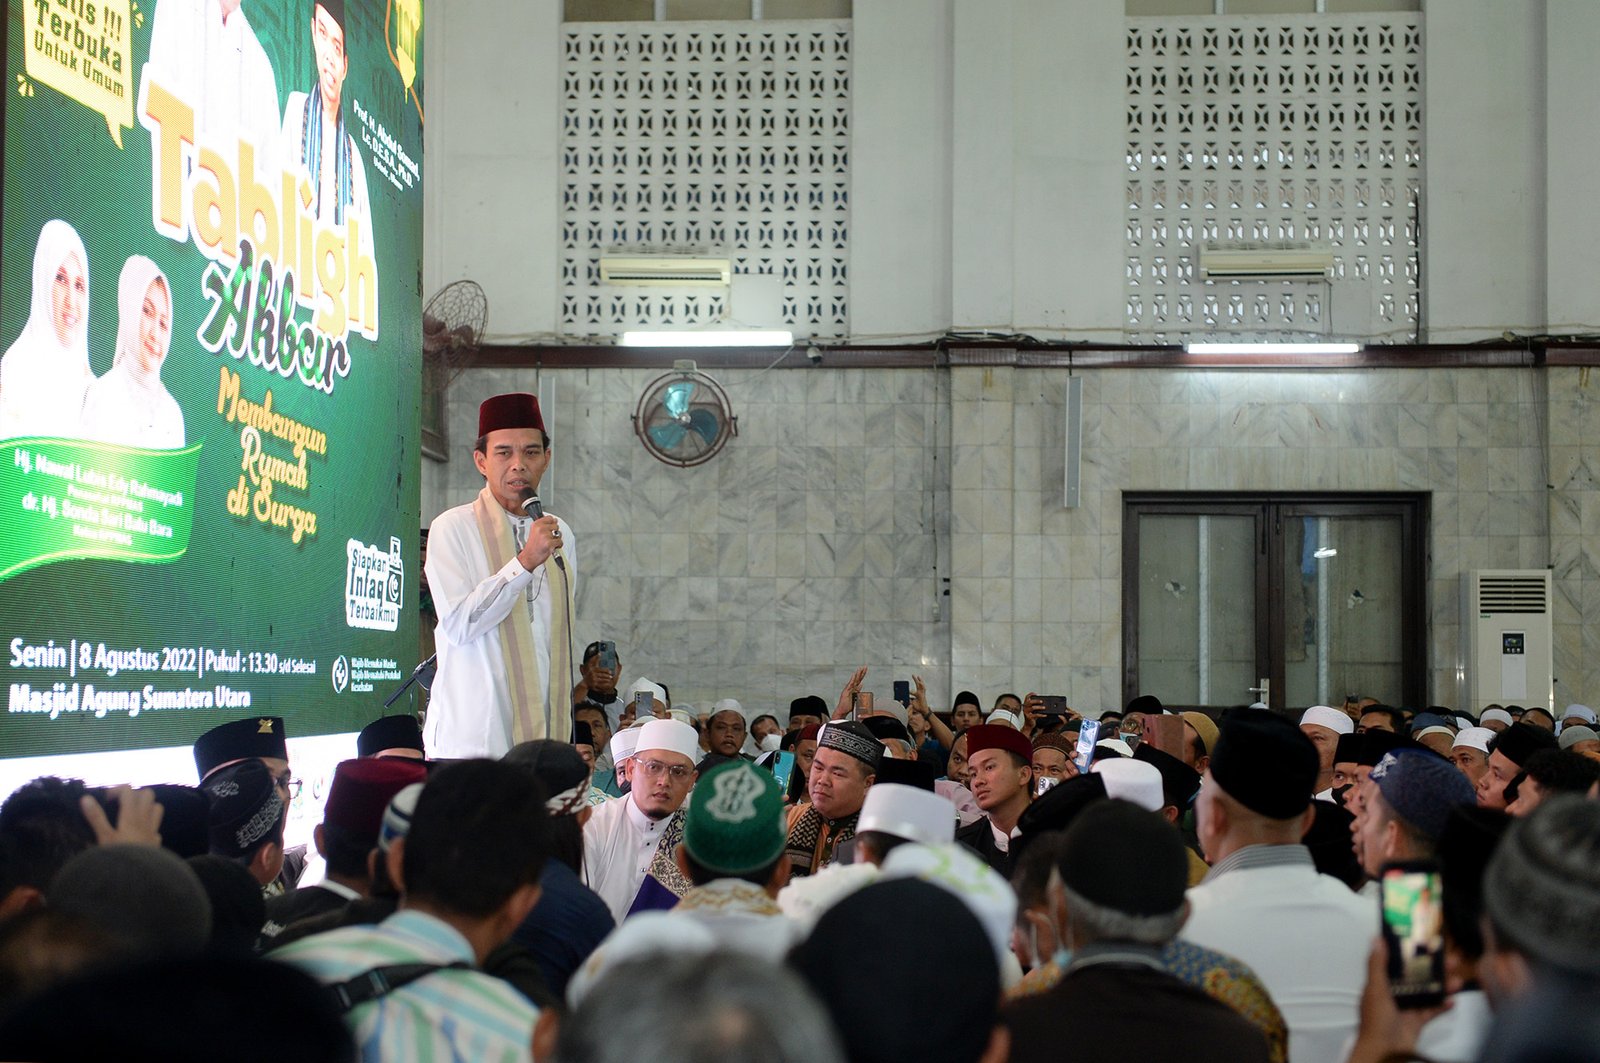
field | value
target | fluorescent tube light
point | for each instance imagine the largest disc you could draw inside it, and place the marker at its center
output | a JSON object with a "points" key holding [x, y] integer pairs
{"points": [[710, 338], [1272, 348]]}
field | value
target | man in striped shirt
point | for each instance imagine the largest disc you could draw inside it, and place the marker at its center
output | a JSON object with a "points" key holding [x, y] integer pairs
{"points": [[468, 873]]}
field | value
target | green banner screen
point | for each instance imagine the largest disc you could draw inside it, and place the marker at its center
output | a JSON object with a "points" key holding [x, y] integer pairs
{"points": [[211, 324]]}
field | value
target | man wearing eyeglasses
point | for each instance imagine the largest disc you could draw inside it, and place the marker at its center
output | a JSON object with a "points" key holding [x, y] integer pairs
{"points": [[628, 843], [256, 738]]}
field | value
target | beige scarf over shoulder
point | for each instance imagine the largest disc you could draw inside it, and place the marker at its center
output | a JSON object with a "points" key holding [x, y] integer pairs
{"points": [[530, 718]]}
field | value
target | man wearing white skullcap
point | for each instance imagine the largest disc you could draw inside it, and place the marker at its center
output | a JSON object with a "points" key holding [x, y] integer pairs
{"points": [[895, 813], [628, 843], [1323, 725], [1577, 716], [1133, 781], [1496, 720], [1003, 718], [726, 729], [620, 752]]}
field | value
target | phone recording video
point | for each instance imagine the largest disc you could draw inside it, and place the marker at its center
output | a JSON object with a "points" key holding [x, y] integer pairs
{"points": [[1413, 933]]}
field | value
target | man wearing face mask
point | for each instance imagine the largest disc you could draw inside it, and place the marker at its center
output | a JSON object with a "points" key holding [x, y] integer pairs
{"points": [[1346, 755], [1131, 727]]}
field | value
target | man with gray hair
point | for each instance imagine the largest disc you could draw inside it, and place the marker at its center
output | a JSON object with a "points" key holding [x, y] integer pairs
{"points": [[1116, 898], [721, 1008]]}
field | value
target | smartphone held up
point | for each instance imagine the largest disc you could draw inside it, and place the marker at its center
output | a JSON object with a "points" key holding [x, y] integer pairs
{"points": [[1413, 932]]}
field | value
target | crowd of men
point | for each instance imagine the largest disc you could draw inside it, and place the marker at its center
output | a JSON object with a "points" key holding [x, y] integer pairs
{"points": [[864, 880]]}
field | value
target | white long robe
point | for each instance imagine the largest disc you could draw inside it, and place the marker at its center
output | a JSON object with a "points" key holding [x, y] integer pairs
{"points": [[469, 707], [1267, 906], [219, 69], [619, 842]]}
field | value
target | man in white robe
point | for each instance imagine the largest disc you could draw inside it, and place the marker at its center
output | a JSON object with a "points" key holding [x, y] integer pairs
{"points": [[206, 53], [316, 142], [624, 837], [1263, 901], [487, 687]]}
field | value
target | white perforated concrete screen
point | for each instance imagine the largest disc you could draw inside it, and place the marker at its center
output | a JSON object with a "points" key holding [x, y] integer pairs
{"points": [[1274, 130], [733, 138]]}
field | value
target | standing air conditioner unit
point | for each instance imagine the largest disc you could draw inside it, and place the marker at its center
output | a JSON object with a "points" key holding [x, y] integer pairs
{"points": [[1509, 639]]}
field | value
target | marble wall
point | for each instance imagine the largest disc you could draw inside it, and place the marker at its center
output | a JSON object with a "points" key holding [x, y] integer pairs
{"points": [[1472, 438], [815, 542], [912, 520]]}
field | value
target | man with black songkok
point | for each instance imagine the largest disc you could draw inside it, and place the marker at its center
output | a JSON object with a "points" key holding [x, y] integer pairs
{"points": [[256, 738], [1116, 899], [392, 737], [845, 766], [808, 711], [1264, 901], [1374, 746], [262, 739], [1345, 755], [247, 818], [1508, 755]]}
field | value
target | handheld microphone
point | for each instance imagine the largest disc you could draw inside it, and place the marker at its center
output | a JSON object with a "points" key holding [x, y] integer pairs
{"points": [[535, 509]]}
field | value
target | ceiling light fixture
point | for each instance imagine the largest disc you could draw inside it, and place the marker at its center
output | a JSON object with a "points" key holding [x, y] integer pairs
{"points": [[1310, 349], [710, 338]]}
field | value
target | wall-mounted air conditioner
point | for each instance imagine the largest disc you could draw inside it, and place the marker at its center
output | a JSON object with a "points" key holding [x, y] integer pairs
{"points": [[1510, 658], [1291, 258], [678, 268]]}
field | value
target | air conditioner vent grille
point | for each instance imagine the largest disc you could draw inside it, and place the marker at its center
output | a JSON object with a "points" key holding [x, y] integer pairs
{"points": [[1512, 594]]}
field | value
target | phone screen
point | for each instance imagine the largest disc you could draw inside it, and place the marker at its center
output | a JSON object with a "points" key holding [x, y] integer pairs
{"points": [[1413, 932], [782, 768], [1088, 735]]}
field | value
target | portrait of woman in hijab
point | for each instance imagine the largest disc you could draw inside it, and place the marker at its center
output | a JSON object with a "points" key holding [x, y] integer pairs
{"points": [[44, 373], [130, 405]]}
